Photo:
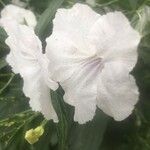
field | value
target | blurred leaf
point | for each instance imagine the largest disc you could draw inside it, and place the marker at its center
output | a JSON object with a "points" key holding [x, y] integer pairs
{"points": [[144, 49], [141, 20], [3, 46], [73, 136], [7, 84], [90, 135], [46, 18], [3, 34], [39, 5], [3, 63], [12, 99], [123, 5]]}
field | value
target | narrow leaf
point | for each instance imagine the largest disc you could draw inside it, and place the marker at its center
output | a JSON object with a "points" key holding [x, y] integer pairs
{"points": [[90, 135], [62, 126], [46, 18], [3, 63]]}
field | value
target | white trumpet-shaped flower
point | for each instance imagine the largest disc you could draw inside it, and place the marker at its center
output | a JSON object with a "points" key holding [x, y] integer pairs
{"points": [[18, 14], [91, 56], [26, 58]]}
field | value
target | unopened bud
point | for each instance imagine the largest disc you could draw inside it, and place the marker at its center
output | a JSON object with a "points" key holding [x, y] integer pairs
{"points": [[33, 135]]}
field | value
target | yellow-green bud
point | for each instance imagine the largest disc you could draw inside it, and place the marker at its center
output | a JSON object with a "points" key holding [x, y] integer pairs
{"points": [[33, 135], [39, 131]]}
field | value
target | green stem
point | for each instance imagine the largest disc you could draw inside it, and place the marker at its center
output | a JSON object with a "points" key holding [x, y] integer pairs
{"points": [[32, 147], [44, 122]]}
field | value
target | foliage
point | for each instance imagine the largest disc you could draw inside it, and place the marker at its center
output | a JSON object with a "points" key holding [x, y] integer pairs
{"points": [[102, 133]]}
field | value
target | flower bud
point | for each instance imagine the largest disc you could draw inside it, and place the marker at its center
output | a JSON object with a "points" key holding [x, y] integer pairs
{"points": [[33, 135]]}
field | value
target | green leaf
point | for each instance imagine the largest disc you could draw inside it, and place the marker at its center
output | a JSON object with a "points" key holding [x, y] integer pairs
{"points": [[3, 63], [144, 49], [12, 99], [46, 18], [62, 126], [38, 5], [90, 135], [71, 135], [3, 34], [3, 37], [141, 20]]}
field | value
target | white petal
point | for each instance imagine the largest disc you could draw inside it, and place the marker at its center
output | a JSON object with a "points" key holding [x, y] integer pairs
{"points": [[30, 18], [76, 23], [19, 15], [81, 90], [114, 37], [63, 55], [39, 93], [117, 90], [77, 20], [68, 44], [27, 59]]}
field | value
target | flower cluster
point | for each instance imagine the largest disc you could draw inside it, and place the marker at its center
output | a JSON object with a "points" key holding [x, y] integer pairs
{"points": [[88, 54]]}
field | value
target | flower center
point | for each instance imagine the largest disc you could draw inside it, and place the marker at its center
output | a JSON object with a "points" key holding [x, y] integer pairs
{"points": [[94, 63]]}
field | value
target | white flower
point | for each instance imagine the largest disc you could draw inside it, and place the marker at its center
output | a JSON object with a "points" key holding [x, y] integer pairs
{"points": [[26, 58], [19, 14], [91, 56]]}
